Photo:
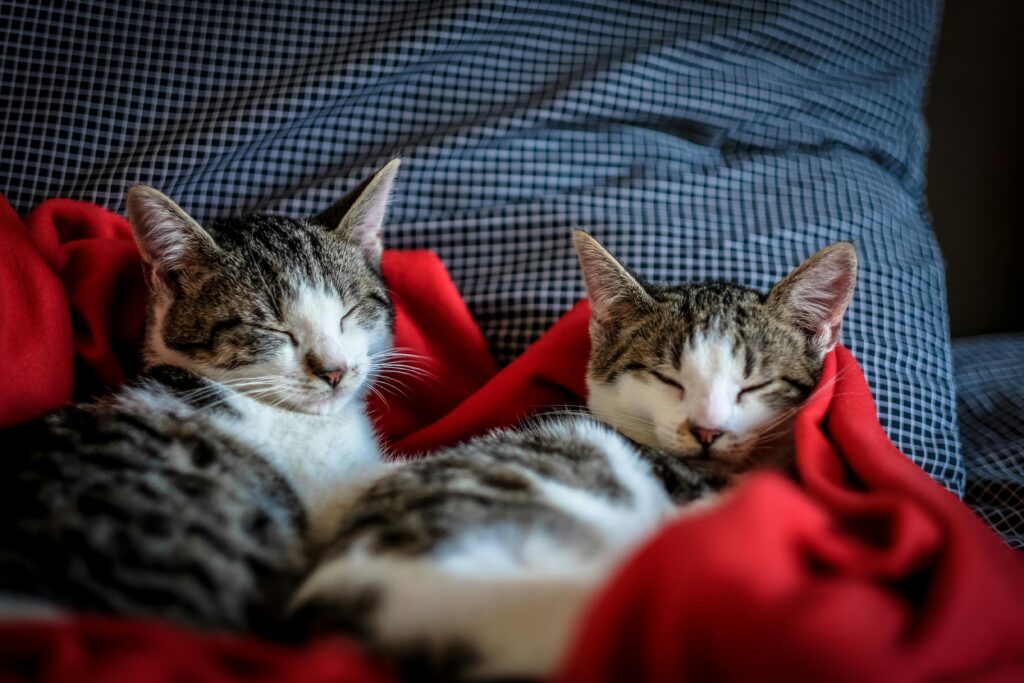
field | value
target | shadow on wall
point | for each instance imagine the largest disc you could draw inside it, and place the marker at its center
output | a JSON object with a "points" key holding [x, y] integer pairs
{"points": [[976, 163]]}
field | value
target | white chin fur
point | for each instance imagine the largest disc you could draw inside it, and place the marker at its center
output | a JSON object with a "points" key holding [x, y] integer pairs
{"points": [[327, 405]]}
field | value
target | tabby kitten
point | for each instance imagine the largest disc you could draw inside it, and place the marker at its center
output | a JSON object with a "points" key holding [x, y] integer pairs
{"points": [[196, 493], [476, 561]]}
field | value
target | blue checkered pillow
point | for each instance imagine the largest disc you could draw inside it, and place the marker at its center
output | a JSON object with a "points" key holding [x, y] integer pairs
{"points": [[697, 139]]}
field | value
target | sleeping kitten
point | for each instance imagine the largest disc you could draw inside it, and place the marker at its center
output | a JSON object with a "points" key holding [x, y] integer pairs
{"points": [[476, 561], [195, 494]]}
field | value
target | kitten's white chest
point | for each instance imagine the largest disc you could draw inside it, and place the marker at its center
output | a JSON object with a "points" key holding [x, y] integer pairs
{"points": [[328, 460]]}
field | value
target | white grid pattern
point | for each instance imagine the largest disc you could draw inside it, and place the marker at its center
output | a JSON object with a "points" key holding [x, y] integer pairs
{"points": [[697, 139], [990, 389]]}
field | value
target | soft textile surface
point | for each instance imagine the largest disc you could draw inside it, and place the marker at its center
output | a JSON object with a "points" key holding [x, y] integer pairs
{"points": [[697, 139], [990, 401], [868, 571], [97, 650]]}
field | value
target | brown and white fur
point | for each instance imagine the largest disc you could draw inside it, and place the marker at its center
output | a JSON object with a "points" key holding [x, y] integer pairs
{"points": [[476, 561], [198, 493]]}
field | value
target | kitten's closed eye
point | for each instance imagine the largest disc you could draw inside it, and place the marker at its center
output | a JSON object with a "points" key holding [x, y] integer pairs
{"points": [[346, 315], [752, 388], [667, 380], [285, 333]]}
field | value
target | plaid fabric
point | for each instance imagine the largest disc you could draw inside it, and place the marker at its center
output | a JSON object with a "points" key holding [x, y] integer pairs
{"points": [[697, 139], [990, 392]]}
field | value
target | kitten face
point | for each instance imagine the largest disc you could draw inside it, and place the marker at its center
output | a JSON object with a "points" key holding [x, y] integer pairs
{"points": [[685, 378], [290, 312], [709, 370]]}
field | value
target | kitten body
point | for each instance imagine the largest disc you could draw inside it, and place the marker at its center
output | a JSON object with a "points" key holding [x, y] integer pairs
{"points": [[325, 459], [198, 493], [477, 560]]}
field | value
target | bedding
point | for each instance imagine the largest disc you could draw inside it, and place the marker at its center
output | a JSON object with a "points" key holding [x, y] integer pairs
{"points": [[695, 139], [990, 399], [868, 570]]}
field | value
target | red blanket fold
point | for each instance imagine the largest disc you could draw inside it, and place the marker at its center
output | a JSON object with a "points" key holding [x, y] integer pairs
{"points": [[866, 571]]}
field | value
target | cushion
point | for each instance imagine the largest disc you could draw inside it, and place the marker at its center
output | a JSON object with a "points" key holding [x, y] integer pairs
{"points": [[695, 139], [990, 397]]}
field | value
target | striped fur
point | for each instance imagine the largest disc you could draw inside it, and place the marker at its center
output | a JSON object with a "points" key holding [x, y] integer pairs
{"points": [[198, 493], [475, 562]]}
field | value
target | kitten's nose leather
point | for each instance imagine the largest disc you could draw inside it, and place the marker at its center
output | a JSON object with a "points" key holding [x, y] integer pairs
{"points": [[332, 377], [705, 436]]}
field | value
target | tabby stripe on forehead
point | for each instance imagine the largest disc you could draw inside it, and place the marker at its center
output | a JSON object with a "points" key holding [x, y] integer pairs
{"points": [[748, 361], [217, 329], [301, 254], [676, 351], [323, 264], [270, 281], [314, 265]]}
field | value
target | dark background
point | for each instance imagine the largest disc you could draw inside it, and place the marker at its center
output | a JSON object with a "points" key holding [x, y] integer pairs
{"points": [[976, 162]]}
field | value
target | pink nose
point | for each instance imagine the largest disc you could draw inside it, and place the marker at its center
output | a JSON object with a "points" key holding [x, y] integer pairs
{"points": [[705, 436], [332, 377]]}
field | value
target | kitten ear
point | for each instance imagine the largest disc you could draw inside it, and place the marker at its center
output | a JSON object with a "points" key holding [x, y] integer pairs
{"points": [[172, 244], [359, 216], [816, 294], [613, 291]]}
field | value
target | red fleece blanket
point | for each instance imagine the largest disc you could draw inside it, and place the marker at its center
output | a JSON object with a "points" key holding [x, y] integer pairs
{"points": [[867, 570]]}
